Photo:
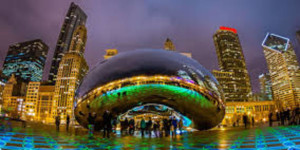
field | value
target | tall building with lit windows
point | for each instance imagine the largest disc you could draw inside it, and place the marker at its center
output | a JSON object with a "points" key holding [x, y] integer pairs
{"points": [[231, 59], [265, 86], [284, 70], [26, 60], [74, 18], [226, 82], [110, 53], [169, 45], [39, 101], [72, 69]]}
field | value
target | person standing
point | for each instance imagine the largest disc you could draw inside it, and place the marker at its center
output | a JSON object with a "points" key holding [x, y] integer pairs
{"points": [[149, 126], [126, 124], [282, 117], [143, 127], [57, 122], [174, 126], [180, 125], [253, 121], [131, 126], [107, 124], [68, 123], [245, 118], [91, 120], [270, 119]]}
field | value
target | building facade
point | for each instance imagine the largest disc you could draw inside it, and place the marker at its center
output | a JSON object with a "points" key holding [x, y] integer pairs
{"points": [[39, 101], [74, 18], [231, 59], [169, 45], [284, 70], [71, 71], [13, 97], [258, 110], [265, 86], [110, 53], [26, 60]]}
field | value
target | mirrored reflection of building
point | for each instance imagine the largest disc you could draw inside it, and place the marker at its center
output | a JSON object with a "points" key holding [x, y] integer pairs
{"points": [[110, 53], [71, 71], [26, 60], [74, 18], [231, 59], [284, 70], [265, 86]]}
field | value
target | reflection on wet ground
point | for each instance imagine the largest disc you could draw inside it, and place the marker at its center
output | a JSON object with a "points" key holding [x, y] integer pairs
{"points": [[234, 138]]}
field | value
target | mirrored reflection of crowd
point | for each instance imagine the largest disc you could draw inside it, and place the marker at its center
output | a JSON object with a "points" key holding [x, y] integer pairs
{"points": [[152, 127]]}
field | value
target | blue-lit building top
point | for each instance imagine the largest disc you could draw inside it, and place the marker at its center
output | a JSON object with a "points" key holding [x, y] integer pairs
{"points": [[26, 60], [276, 42]]}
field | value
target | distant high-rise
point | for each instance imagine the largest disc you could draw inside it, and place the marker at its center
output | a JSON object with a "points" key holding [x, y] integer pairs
{"points": [[284, 70], [265, 86], [74, 18], [110, 53], [231, 59], [26, 60], [71, 71], [169, 45]]}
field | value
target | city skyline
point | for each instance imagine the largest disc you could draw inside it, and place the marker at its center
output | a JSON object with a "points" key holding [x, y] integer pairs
{"points": [[182, 22]]}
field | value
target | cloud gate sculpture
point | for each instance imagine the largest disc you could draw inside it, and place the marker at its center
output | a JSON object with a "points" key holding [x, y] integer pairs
{"points": [[141, 77]]}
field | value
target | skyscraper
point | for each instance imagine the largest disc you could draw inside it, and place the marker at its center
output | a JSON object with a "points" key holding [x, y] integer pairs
{"points": [[231, 59], [26, 60], [265, 86], [71, 71], [284, 70], [110, 53], [74, 18], [169, 45]]}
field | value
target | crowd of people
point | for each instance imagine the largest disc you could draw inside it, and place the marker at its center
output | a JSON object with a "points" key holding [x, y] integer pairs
{"points": [[285, 117]]}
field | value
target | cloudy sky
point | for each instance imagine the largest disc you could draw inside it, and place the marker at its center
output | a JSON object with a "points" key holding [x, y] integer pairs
{"points": [[133, 24]]}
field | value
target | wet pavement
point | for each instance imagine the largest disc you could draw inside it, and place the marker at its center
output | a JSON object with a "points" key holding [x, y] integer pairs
{"points": [[33, 137]]}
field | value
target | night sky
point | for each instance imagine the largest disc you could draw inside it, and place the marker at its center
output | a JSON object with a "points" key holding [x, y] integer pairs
{"points": [[135, 24]]}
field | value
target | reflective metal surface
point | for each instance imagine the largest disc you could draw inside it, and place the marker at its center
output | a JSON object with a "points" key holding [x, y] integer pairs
{"points": [[135, 78]]}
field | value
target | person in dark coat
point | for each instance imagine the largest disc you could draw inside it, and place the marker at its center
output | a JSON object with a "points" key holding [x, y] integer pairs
{"points": [[126, 125], [282, 117], [245, 118], [149, 126], [57, 122], [91, 120], [270, 119], [131, 126], [107, 117], [68, 123]]}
